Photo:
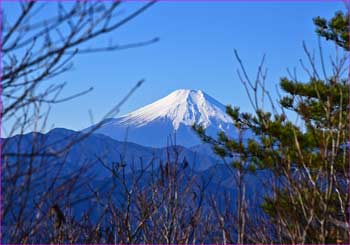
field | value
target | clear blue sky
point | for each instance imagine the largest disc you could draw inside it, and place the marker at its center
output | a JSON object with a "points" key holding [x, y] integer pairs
{"points": [[195, 51]]}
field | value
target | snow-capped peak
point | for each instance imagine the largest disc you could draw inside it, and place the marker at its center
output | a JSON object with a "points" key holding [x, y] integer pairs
{"points": [[171, 118], [182, 106]]}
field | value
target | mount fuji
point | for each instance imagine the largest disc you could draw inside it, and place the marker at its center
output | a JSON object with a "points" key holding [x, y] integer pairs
{"points": [[168, 121]]}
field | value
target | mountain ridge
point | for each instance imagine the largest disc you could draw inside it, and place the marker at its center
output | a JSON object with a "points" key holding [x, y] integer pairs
{"points": [[94, 148]]}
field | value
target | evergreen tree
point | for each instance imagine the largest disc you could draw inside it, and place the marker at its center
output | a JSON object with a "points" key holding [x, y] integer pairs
{"points": [[309, 201], [336, 29]]}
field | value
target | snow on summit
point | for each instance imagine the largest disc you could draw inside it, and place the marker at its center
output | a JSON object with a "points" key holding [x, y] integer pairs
{"points": [[171, 117], [182, 106]]}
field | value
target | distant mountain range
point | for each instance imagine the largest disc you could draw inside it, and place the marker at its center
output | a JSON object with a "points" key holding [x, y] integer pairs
{"points": [[96, 148], [169, 120], [98, 151]]}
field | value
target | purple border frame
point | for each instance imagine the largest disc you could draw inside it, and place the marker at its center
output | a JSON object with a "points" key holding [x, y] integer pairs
{"points": [[1, 101]]}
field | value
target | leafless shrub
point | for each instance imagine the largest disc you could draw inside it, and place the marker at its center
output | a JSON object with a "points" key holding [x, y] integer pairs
{"points": [[35, 49]]}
